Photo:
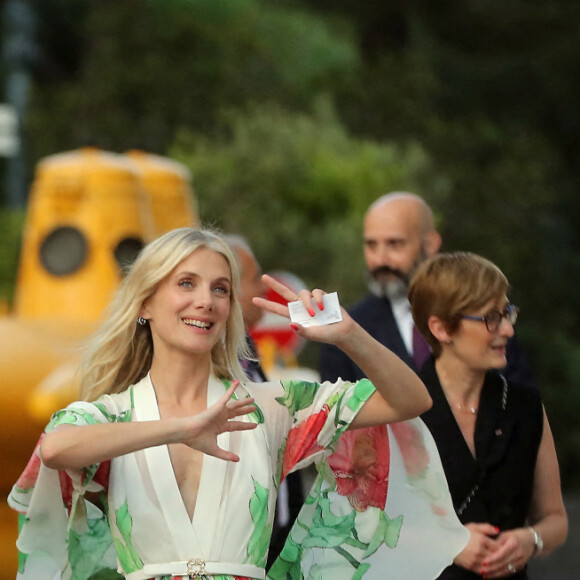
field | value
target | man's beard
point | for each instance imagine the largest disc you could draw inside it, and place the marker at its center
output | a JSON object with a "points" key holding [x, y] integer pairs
{"points": [[386, 282], [392, 283]]}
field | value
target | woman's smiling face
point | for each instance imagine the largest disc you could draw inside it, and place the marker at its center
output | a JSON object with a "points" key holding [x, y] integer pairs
{"points": [[189, 310]]}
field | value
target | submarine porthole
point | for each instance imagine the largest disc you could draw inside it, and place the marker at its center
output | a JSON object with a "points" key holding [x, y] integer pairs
{"points": [[63, 251]]}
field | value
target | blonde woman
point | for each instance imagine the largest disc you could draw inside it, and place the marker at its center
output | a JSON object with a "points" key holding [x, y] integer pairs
{"points": [[184, 458]]}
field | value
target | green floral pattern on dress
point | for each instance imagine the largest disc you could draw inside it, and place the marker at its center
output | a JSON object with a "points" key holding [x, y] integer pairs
{"points": [[318, 527], [96, 541], [260, 538], [128, 557], [297, 395]]}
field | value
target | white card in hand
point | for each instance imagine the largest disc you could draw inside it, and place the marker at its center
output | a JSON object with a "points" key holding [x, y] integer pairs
{"points": [[330, 314]]}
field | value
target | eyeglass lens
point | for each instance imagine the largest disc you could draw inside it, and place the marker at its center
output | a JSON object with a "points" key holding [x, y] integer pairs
{"points": [[493, 319]]}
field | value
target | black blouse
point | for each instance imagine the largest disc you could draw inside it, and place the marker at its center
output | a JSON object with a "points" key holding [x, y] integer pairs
{"points": [[496, 486]]}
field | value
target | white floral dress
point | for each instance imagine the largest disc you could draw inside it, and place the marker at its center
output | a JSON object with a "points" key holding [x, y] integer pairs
{"points": [[356, 520]]}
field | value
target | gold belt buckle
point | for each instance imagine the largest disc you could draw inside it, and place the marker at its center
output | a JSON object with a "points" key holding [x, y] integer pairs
{"points": [[196, 568]]}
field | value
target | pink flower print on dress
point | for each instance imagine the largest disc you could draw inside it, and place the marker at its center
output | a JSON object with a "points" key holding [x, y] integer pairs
{"points": [[361, 466], [27, 479], [66, 489], [303, 440], [415, 455], [416, 461], [102, 475]]}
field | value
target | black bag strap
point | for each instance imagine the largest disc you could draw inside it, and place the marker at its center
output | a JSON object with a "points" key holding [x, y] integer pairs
{"points": [[473, 492]]}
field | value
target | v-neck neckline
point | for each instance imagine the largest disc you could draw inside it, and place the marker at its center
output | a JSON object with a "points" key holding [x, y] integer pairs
{"points": [[487, 424], [198, 531]]}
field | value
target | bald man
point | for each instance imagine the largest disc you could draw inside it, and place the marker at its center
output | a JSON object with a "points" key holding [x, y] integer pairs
{"points": [[398, 234]]}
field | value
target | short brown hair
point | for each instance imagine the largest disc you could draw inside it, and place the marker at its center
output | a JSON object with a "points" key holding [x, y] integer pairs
{"points": [[449, 284]]}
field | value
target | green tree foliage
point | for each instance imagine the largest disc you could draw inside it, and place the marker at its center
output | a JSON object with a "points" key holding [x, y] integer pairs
{"points": [[11, 224], [127, 92], [297, 187]]}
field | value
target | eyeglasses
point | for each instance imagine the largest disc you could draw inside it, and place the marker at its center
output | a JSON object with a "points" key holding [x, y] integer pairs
{"points": [[493, 319]]}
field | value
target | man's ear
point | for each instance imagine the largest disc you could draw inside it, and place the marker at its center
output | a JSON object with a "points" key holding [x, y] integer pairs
{"points": [[432, 242], [439, 330]]}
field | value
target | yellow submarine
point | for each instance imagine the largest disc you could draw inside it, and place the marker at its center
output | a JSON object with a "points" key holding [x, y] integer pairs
{"points": [[89, 214]]}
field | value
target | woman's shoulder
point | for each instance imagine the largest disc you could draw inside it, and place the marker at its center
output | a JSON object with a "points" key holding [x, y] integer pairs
{"points": [[108, 407], [104, 410], [520, 391]]}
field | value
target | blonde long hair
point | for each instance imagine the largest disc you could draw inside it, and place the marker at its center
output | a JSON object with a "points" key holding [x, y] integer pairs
{"points": [[120, 353]]}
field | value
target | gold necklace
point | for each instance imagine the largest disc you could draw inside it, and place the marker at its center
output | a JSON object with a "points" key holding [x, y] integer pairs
{"points": [[460, 407], [455, 404], [466, 409]]}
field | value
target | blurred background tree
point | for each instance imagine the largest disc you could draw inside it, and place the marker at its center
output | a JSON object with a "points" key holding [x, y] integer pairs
{"points": [[294, 116]]}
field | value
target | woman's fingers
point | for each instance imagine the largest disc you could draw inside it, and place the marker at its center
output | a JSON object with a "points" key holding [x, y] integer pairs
{"points": [[240, 426], [225, 455], [506, 560], [308, 298], [284, 291], [237, 407], [317, 296], [239, 404], [273, 307], [230, 392], [241, 411]]}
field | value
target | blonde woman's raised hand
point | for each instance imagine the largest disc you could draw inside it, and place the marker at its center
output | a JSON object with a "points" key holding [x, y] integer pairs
{"points": [[312, 300], [201, 430]]}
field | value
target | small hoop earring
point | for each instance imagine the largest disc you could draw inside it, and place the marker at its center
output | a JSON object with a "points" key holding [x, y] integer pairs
{"points": [[142, 321]]}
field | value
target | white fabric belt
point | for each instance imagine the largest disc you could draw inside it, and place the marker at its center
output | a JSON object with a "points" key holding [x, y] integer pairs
{"points": [[196, 568]]}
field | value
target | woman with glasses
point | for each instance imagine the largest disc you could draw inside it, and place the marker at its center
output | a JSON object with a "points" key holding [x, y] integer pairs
{"points": [[493, 436]]}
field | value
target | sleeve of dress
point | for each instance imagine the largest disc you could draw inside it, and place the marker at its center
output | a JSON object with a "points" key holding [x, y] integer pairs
{"points": [[316, 415], [62, 534], [379, 507]]}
